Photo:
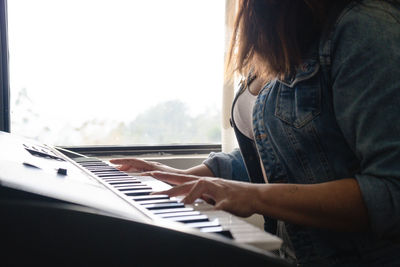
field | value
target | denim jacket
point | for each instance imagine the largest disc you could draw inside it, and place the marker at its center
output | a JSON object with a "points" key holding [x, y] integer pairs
{"points": [[337, 117]]}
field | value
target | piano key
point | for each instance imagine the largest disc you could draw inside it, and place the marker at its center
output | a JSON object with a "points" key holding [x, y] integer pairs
{"points": [[164, 206], [106, 175], [134, 185], [103, 170], [115, 178], [190, 219], [86, 160], [149, 197], [212, 229], [108, 172], [118, 179], [139, 193], [95, 166], [164, 211], [217, 230], [115, 175], [178, 214], [129, 186], [123, 182], [131, 189], [204, 224], [100, 167], [155, 201], [89, 164]]}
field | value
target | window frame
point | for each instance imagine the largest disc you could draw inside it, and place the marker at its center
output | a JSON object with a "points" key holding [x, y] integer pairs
{"points": [[4, 70], [148, 150], [95, 150]]}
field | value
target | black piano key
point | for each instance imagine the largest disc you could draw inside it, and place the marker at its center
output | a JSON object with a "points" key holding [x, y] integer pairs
{"points": [[127, 181], [190, 219], [150, 197], [217, 230], [106, 175], [139, 193], [179, 214], [134, 185], [89, 165], [164, 206], [132, 189], [164, 211], [155, 201], [119, 179], [129, 185], [225, 233], [95, 170], [124, 176], [94, 165], [115, 177], [123, 182], [106, 171], [98, 166]]}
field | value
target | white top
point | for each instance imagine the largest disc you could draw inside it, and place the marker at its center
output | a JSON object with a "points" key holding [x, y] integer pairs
{"points": [[243, 113]]}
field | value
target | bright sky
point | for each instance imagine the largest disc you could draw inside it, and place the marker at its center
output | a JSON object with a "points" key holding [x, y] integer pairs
{"points": [[112, 59]]}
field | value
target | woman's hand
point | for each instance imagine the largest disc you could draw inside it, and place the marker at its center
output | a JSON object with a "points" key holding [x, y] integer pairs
{"points": [[235, 197], [139, 165]]}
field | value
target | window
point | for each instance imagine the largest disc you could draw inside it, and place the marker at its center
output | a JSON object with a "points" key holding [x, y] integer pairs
{"points": [[116, 72]]}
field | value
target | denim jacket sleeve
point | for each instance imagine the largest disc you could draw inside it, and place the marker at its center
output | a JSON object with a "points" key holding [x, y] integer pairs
{"points": [[366, 96], [227, 165]]}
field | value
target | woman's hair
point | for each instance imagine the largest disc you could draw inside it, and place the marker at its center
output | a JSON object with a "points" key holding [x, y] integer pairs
{"points": [[270, 37]]}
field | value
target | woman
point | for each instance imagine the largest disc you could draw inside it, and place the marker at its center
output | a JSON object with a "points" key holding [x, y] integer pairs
{"points": [[325, 129]]}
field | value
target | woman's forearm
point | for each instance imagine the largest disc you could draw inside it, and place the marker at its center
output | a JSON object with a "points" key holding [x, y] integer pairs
{"points": [[336, 205], [199, 170]]}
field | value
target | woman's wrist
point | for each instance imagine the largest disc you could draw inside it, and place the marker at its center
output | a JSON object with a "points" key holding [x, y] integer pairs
{"points": [[258, 193], [199, 170]]}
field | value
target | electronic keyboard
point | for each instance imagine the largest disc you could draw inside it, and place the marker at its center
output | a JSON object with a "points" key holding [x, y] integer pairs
{"points": [[61, 175]]}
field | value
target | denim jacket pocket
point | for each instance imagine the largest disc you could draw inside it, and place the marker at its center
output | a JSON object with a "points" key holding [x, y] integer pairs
{"points": [[299, 101]]}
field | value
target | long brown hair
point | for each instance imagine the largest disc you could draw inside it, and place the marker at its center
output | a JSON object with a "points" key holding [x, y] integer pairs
{"points": [[272, 36]]}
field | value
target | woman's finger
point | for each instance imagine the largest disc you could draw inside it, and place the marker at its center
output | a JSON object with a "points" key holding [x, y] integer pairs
{"points": [[124, 168], [128, 168], [178, 190], [202, 187], [132, 164], [122, 161]]}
